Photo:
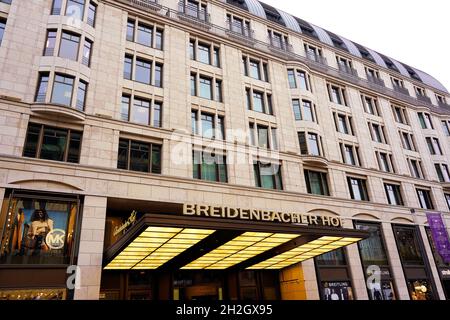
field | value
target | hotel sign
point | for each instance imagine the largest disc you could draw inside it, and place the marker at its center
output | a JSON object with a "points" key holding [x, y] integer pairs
{"points": [[260, 215]]}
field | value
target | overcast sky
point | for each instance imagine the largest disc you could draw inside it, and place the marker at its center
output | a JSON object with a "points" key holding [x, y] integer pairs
{"points": [[411, 31]]}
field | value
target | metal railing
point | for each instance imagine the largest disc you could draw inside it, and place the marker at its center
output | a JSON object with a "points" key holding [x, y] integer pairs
{"points": [[193, 13], [423, 98], [147, 4], [347, 69], [375, 80], [315, 62]]}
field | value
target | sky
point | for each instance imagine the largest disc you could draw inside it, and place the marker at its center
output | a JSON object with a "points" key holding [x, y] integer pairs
{"points": [[411, 31]]}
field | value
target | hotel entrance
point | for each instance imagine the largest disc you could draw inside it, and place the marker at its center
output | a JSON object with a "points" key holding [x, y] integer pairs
{"points": [[210, 254]]}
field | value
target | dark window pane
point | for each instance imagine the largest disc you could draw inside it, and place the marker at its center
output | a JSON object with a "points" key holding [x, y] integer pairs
{"points": [[56, 7], [159, 39], [372, 249], [2, 29], [157, 114], [158, 75], [32, 140], [122, 159], [124, 108], [139, 156], [408, 246], [54, 144], [156, 159], [87, 50], [74, 147], [91, 14], [50, 43], [128, 67], [42, 87], [296, 107], [332, 258], [81, 95], [62, 90]]}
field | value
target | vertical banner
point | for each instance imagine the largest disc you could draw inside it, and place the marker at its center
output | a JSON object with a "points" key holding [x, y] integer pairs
{"points": [[440, 235]]}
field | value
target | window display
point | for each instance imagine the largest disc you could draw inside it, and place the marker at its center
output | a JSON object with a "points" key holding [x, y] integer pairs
{"points": [[337, 290], [382, 291], [408, 246], [38, 231], [33, 294], [420, 290]]}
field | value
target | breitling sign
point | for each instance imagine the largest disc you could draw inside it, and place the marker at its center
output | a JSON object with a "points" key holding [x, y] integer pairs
{"points": [[260, 215]]}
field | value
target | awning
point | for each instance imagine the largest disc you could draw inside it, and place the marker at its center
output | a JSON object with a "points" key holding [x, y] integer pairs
{"points": [[172, 242]]}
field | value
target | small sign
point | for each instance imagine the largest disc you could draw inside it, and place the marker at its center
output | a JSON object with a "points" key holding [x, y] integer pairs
{"points": [[130, 221], [55, 239], [439, 235]]}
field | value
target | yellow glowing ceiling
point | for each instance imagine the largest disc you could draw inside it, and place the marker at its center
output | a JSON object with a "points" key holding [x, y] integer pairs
{"points": [[155, 246], [243, 247], [304, 252]]}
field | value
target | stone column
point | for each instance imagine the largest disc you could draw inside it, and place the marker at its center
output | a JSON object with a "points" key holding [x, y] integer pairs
{"points": [[91, 248], [310, 278], [396, 264], [357, 273]]}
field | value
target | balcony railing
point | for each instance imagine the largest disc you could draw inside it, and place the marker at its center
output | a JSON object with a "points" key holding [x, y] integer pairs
{"points": [[423, 98], [239, 32], [194, 14], [401, 90], [375, 80], [148, 5], [347, 69], [316, 58]]}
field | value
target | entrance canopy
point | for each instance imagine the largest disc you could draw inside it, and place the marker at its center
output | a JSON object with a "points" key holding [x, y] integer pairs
{"points": [[171, 242]]}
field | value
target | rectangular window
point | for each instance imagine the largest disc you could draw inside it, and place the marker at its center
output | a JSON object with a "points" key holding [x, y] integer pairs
{"points": [[337, 94], [296, 108], [370, 105], [400, 114], [209, 166], [349, 154], [220, 131], [316, 183], [140, 111], [139, 156], [258, 102], [303, 143], [447, 198], [263, 136], [208, 126], [216, 57], [75, 9], [69, 46], [268, 175], [393, 194], [49, 44], [130, 30], [50, 143], [125, 108], [446, 127], [158, 75], [92, 12], [194, 120], [313, 144], [358, 189], [255, 69], [218, 91], [128, 67], [56, 7], [291, 79], [81, 95], [63, 90], [159, 39], [308, 114], [425, 199], [407, 140], [157, 114], [41, 91], [145, 35], [408, 245], [303, 80], [385, 162], [205, 88], [415, 167], [204, 53], [377, 132], [433, 146], [87, 51], [193, 85], [425, 120], [442, 172], [143, 71]]}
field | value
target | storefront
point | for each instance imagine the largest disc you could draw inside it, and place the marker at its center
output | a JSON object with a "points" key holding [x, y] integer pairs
{"points": [[443, 268], [415, 264], [39, 236], [170, 251]]}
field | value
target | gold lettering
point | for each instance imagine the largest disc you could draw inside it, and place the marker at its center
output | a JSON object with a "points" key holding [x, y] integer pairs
{"points": [[336, 222], [189, 209], [255, 215], [305, 218], [276, 216], [244, 214], [286, 217], [295, 217], [223, 212], [313, 219], [232, 213], [202, 210], [265, 215], [214, 211], [325, 220]]}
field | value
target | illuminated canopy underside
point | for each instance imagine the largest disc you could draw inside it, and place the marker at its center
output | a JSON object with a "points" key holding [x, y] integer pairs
{"points": [[159, 241]]}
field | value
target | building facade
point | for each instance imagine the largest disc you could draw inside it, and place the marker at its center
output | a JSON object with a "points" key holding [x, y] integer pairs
{"points": [[126, 125]]}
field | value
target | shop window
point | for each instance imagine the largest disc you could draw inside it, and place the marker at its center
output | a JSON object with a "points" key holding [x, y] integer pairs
{"points": [[38, 230], [408, 246], [337, 290], [33, 294], [420, 289]]}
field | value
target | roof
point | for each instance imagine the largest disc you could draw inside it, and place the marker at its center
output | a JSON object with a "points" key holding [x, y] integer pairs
{"points": [[285, 19]]}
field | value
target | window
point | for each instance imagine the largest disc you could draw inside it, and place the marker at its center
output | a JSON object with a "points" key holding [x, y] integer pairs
{"points": [[128, 67], [304, 112], [69, 46], [2, 29], [420, 92], [407, 141], [299, 79], [204, 52], [143, 71], [263, 136], [343, 123], [316, 183], [259, 101], [370, 105], [81, 95], [209, 166], [149, 36], [267, 175], [425, 199], [75, 9], [345, 65], [278, 40], [211, 126], [208, 88], [358, 189], [447, 197], [63, 89], [400, 114], [397, 83], [56, 7], [425, 120], [195, 9], [377, 132], [139, 156], [415, 166], [350, 154], [158, 75], [92, 12], [441, 100], [41, 91], [393, 194], [125, 108], [408, 245], [313, 53], [50, 143], [434, 146], [446, 127], [50, 43], [87, 50], [372, 74], [442, 172], [310, 144], [385, 162], [255, 68], [239, 25], [141, 111], [337, 94]]}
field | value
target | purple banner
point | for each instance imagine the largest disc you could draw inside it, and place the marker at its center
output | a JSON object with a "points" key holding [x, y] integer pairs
{"points": [[440, 235]]}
